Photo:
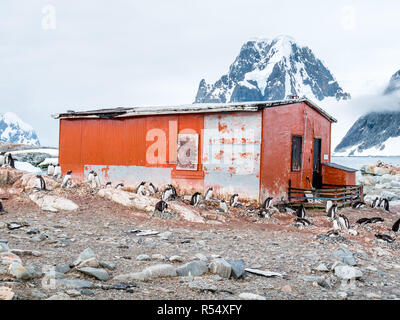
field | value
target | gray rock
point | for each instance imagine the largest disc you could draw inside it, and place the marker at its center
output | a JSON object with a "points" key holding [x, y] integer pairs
{"points": [[165, 235], [193, 268], [345, 256], [201, 257], [63, 268], [107, 265], [141, 276], [59, 296], [221, 267], [73, 293], [143, 257], [322, 267], [21, 253], [347, 272], [20, 272], [176, 259], [202, 286], [160, 270], [87, 292], [251, 296], [74, 284], [38, 294], [85, 255], [100, 274], [4, 247], [237, 268]]}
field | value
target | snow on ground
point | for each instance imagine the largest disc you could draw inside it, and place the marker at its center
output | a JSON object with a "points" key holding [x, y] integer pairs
{"points": [[52, 152], [26, 166]]}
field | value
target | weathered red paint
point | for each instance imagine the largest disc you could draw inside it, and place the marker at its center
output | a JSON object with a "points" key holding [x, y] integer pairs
{"points": [[279, 124], [122, 141], [332, 175]]}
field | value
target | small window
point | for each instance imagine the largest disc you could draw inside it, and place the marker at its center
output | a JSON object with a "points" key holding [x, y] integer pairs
{"points": [[296, 152]]}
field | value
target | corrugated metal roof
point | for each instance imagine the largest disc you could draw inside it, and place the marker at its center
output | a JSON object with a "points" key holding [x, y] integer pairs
{"points": [[189, 108], [338, 166]]}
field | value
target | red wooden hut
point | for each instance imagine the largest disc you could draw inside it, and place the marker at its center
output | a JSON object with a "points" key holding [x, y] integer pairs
{"points": [[250, 148]]}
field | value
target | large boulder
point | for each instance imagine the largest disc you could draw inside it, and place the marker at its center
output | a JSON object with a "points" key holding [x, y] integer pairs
{"points": [[9, 176], [30, 181], [48, 201]]}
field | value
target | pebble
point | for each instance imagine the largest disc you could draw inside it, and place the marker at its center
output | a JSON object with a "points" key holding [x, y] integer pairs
{"points": [[237, 268], [345, 256], [143, 257], [347, 272], [193, 268], [251, 296], [73, 293], [100, 274], [221, 267], [286, 289], [176, 259], [59, 296], [160, 270]]}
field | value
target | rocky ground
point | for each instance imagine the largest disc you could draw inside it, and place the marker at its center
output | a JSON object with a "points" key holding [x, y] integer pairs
{"points": [[106, 250]]}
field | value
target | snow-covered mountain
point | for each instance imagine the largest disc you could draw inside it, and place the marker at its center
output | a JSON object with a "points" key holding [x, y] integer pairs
{"points": [[14, 130], [374, 134], [394, 84], [272, 70]]}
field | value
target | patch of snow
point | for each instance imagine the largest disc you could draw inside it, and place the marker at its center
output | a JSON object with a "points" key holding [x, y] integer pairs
{"points": [[26, 166]]}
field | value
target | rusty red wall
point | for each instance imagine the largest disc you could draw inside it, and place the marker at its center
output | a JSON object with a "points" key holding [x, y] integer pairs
{"points": [[279, 125], [121, 141], [332, 175]]}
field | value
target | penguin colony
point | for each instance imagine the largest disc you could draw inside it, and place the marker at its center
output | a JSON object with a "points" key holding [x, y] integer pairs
{"points": [[339, 221]]}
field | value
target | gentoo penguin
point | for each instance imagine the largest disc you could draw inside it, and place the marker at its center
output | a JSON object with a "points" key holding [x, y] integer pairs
{"points": [[358, 205], [97, 180], [363, 221], [67, 179], [385, 203], [119, 186], [301, 212], [161, 206], [208, 194], [384, 237], [332, 212], [42, 183], [375, 203], [90, 177], [303, 221], [328, 205], [233, 200], [344, 222], [152, 188], [140, 188], [10, 160], [169, 193], [267, 203], [50, 170], [57, 171], [223, 207], [2, 211], [108, 184], [396, 226], [264, 213], [376, 219], [195, 199]]}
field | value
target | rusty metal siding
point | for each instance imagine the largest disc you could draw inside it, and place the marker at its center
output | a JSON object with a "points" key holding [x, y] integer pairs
{"points": [[279, 125], [231, 153]]}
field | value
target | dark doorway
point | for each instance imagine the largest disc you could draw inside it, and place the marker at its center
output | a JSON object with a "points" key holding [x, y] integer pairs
{"points": [[317, 177]]}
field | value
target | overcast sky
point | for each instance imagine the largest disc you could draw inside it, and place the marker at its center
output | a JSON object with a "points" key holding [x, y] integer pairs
{"points": [[58, 55]]}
